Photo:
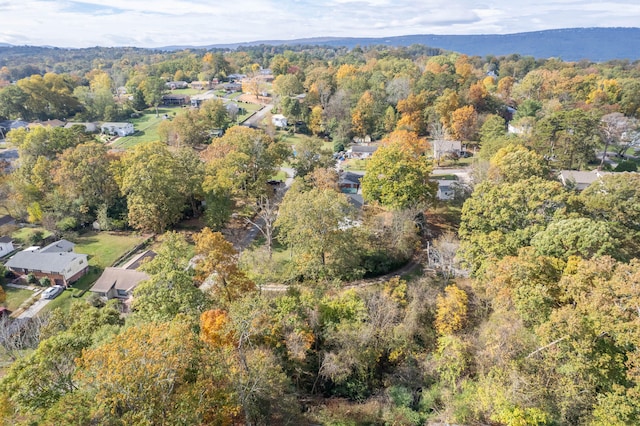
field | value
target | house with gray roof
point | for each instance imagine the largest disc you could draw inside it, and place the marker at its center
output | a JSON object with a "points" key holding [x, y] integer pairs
{"points": [[120, 282], [57, 261], [580, 180], [443, 147]]}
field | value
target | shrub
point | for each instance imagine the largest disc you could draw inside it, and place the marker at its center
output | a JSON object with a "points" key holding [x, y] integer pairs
{"points": [[45, 282], [31, 279], [67, 224], [626, 166], [35, 238]]}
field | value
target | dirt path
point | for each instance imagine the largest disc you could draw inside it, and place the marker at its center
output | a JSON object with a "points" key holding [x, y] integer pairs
{"points": [[411, 266]]}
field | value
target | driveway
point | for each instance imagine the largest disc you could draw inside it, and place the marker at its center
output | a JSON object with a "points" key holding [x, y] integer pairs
{"points": [[256, 119], [33, 310]]}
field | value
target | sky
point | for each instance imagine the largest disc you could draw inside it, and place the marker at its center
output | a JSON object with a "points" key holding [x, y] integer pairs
{"points": [[158, 23]]}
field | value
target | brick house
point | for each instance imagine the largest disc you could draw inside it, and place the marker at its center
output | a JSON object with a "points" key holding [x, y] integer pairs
{"points": [[57, 261]]}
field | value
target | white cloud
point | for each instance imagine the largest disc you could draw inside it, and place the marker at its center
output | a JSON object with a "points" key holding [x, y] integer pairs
{"points": [[202, 22]]}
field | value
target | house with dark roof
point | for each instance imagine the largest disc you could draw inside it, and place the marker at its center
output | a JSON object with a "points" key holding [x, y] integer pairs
{"points": [[176, 99], [49, 123], [349, 183], [57, 261], [7, 220]]}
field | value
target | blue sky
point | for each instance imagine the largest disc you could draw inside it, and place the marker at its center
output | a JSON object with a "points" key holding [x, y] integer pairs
{"points": [[155, 23]]}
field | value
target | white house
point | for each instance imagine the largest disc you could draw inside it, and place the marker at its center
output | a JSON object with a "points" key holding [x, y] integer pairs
{"points": [[445, 189], [6, 246], [362, 151], [279, 120], [120, 129]]}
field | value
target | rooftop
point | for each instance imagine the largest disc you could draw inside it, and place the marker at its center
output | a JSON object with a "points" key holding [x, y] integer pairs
{"points": [[118, 278]]}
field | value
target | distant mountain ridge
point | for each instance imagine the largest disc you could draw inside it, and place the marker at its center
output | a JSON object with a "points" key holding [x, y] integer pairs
{"points": [[569, 44]]}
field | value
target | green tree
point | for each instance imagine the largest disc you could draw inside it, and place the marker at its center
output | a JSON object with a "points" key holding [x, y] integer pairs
{"points": [[148, 178], [286, 85], [152, 89], [84, 172], [242, 162], [397, 178], [567, 137], [515, 162], [614, 198], [315, 224], [309, 156]]}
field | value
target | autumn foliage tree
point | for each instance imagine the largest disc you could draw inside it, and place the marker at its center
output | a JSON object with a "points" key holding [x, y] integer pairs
{"points": [[218, 262]]}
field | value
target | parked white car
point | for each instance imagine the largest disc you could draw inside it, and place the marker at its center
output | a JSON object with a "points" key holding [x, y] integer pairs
{"points": [[52, 292]]}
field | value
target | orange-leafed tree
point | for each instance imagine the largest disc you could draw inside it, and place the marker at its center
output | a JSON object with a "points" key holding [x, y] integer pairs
{"points": [[451, 314], [412, 116], [409, 141], [215, 328], [363, 116], [218, 262], [464, 123], [136, 375]]}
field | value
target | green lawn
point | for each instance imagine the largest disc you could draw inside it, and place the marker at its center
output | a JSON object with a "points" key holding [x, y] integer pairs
{"points": [[146, 127], [104, 248], [23, 234], [187, 91], [15, 297], [354, 165], [249, 108]]}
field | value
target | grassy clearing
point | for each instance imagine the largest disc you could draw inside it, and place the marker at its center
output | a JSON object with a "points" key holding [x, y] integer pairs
{"points": [[15, 297], [23, 234], [189, 91], [354, 165], [105, 248], [146, 127], [249, 110]]}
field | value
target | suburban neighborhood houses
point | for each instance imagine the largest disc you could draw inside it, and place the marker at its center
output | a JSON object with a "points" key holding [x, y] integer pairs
{"points": [[313, 234]]}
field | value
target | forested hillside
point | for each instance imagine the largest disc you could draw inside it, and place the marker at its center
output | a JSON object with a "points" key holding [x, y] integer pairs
{"points": [[513, 302]]}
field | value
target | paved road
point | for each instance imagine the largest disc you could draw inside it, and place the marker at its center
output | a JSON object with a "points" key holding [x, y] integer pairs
{"points": [[462, 174]]}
